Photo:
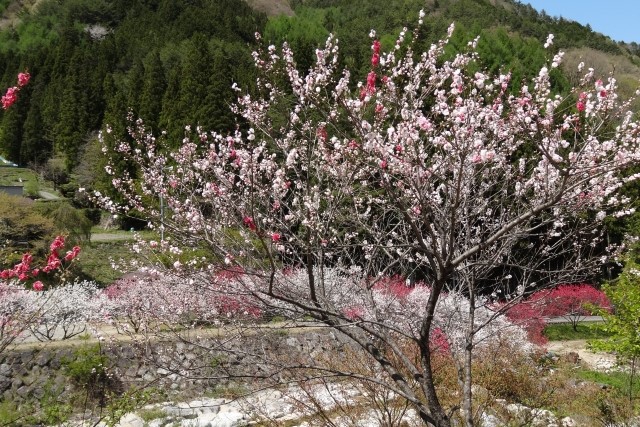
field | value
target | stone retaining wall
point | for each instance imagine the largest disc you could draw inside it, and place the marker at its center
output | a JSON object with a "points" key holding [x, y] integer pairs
{"points": [[179, 366]]}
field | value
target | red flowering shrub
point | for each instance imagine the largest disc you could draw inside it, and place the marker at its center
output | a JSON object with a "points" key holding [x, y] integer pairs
{"points": [[571, 302], [529, 318]]}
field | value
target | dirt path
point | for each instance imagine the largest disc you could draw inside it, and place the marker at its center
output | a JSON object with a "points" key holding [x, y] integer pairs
{"points": [[595, 360]]}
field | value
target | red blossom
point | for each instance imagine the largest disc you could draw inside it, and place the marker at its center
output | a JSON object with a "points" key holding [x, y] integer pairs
{"points": [[275, 237], [70, 255], [371, 82]]}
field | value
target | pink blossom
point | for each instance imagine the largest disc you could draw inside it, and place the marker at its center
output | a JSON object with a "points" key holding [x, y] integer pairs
{"points": [[580, 106], [322, 133], [353, 313], [275, 237], [58, 243], [376, 47], [9, 98], [38, 286], [23, 78], [53, 263], [70, 255], [375, 60], [371, 82], [249, 223]]}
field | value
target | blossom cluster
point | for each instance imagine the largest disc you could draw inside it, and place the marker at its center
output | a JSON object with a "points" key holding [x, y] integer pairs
{"points": [[64, 311], [11, 96], [24, 271], [394, 304], [149, 299]]}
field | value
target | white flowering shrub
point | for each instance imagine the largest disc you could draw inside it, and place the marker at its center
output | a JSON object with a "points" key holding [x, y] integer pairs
{"points": [[66, 310]]}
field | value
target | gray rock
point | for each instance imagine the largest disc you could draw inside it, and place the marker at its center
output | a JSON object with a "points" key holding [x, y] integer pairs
{"points": [[23, 391], [43, 358], [5, 370], [131, 420]]}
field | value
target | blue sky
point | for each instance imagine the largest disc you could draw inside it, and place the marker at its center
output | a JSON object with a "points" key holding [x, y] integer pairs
{"points": [[618, 19]]}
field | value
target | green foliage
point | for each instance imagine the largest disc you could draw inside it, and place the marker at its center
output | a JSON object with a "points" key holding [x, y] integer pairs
{"points": [[31, 189], [95, 260], [121, 404], [151, 414], [10, 414], [54, 411], [88, 366], [624, 323], [73, 222], [22, 229]]}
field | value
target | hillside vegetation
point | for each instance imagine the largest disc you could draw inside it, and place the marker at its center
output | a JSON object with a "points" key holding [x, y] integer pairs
{"points": [[173, 62]]}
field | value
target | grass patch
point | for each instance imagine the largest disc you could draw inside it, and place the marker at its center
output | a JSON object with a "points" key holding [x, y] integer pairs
{"points": [[565, 332], [616, 380], [26, 178], [16, 176], [95, 260], [151, 414]]}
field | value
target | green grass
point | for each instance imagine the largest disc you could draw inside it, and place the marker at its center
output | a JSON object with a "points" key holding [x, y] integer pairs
{"points": [[616, 380], [16, 176], [151, 414], [25, 177], [565, 332], [95, 260]]}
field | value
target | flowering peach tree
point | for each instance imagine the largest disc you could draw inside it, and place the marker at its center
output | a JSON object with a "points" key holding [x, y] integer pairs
{"points": [[478, 187]]}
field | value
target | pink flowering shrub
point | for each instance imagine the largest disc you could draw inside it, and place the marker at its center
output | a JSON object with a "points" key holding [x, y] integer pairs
{"points": [[146, 301], [528, 317]]}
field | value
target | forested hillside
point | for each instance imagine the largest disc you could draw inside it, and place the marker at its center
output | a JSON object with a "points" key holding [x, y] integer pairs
{"points": [[172, 62]]}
